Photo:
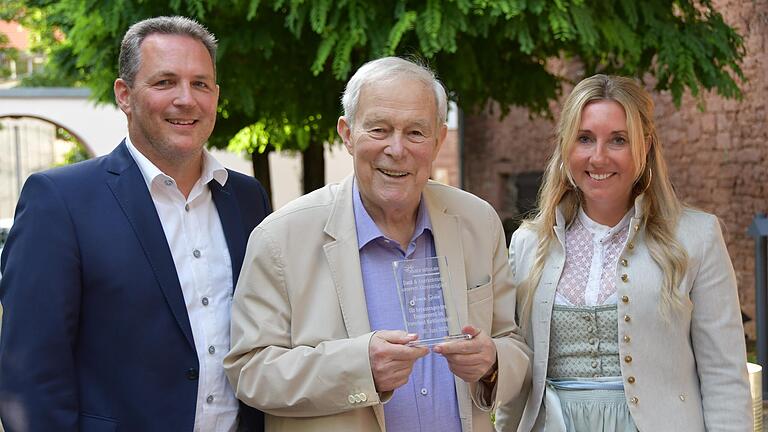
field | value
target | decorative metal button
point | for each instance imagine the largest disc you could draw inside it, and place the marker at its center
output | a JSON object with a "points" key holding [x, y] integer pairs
{"points": [[627, 318], [351, 399], [624, 278], [204, 301], [357, 398], [363, 397], [631, 245], [628, 359], [631, 380], [624, 262], [627, 338], [634, 400], [196, 253], [624, 299]]}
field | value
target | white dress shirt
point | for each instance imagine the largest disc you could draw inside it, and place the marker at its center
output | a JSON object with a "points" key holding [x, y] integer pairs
{"points": [[199, 249]]}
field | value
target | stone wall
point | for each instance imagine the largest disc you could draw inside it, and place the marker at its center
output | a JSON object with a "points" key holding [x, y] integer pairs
{"points": [[718, 158]]}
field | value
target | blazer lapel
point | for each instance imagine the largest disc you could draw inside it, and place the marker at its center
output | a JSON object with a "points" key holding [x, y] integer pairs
{"points": [[130, 190], [343, 258], [231, 223], [447, 234]]}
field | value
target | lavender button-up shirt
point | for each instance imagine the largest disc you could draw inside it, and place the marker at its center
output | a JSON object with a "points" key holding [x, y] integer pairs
{"points": [[428, 401]]}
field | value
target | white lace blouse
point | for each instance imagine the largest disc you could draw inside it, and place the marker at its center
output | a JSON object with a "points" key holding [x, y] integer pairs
{"points": [[591, 255]]}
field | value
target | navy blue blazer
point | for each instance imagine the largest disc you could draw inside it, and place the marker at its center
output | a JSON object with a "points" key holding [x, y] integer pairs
{"points": [[95, 332]]}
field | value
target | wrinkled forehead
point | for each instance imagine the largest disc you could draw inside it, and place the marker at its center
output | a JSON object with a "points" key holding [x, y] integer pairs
{"points": [[398, 96]]}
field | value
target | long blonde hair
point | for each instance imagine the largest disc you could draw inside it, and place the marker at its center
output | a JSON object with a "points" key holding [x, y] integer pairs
{"points": [[661, 208]]}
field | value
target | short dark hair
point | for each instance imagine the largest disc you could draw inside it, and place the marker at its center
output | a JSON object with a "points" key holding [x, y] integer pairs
{"points": [[130, 48]]}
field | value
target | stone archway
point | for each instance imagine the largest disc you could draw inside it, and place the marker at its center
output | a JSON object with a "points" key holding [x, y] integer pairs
{"points": [[100, 127]]}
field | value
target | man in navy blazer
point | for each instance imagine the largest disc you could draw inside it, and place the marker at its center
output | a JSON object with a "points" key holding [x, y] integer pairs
{"points": [[118, 272]]}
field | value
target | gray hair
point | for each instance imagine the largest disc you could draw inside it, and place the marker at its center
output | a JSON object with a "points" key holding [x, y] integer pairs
{"points": [[391, 69], [130, 48]]}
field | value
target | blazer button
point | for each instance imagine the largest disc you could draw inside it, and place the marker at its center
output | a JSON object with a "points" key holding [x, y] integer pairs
{"points": [[631, 380], [627, 338], [634, 400], [192, 374], [624, 278], [630, 246], [628, 359], [624, 262], [627, 318], [624, 299]]}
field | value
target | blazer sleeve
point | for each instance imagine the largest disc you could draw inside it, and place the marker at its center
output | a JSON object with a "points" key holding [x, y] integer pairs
{"points": [[40, 293], [717, 337], [513, 355], [264, 367]]}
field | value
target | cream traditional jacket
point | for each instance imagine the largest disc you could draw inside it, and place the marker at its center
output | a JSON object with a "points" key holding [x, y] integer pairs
{"points": [[300, 329], [685, 374]]}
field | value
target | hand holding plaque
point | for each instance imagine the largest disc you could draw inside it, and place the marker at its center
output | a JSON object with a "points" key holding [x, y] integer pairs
{"points": [[423, 288]]}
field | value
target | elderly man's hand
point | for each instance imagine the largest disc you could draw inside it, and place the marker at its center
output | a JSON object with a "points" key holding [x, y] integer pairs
{"points": [[470, 359], [391, 359]]}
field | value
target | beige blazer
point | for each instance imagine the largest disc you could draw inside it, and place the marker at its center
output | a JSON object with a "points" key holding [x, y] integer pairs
{"points": [[688, 374], [300, 328]]}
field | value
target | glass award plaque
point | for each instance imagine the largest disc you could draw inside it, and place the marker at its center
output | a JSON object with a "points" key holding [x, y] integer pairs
{"points": [[426, 300]]}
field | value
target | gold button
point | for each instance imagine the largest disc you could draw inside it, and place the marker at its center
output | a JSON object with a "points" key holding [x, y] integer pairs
{"points": [[627, 318], [625, 299], [624, 262], [624, 278], [628, 359], [631, 245], [631, 380], [627, 338], [634, 400]]}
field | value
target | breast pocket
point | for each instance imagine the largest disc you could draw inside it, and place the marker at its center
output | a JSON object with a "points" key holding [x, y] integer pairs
{"points": [[480, 304]]}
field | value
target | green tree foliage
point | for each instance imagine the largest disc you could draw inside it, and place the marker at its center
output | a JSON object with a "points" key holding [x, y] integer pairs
{"points": [[283, 63]]}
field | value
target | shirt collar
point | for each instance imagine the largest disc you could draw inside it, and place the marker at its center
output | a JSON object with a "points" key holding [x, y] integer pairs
{"points": [[602, 231], [367, 230], [212, 169]]}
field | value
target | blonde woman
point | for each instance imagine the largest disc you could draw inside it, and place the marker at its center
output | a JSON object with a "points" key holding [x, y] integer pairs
{"points": [[628, 298]]}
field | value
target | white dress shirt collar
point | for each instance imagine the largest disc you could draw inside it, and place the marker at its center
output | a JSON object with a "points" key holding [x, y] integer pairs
{"points": [[212, 169]]}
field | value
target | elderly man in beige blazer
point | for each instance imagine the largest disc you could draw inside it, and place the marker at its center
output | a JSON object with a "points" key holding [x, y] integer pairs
{"points": [[317, 342]]}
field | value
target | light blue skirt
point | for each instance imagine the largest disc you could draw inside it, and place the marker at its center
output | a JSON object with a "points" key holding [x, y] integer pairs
{"points": [[586, 410]]}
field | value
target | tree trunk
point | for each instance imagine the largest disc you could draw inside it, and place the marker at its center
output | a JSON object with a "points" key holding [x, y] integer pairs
{"points": [[260, 162], [313, 166]]}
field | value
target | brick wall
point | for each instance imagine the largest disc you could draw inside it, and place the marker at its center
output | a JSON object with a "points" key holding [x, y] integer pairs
{"points": [[718, 158]]}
